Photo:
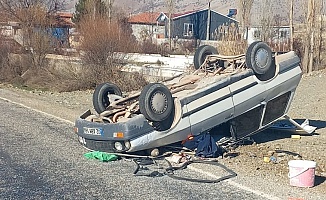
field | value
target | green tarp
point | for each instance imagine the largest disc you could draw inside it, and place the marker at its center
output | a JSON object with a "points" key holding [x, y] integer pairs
{"points": [[102, 156]]}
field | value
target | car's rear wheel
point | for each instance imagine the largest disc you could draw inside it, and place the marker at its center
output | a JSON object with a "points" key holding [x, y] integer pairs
{"points": [[201, 53], [259, 57], [101, 96], [156, 102]]}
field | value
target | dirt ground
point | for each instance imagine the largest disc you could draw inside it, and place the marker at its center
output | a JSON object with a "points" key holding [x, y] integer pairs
{"points": [[247, 159]]}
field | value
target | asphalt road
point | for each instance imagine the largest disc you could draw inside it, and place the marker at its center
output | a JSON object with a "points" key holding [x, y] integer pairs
{"points": [[40, 158]]}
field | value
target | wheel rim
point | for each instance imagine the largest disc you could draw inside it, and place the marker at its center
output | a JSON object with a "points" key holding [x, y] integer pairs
{"points": [[261, 58], [159, 103]]}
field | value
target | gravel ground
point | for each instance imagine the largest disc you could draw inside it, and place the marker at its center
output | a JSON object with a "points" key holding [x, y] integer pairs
{"points": [[309, 103]]}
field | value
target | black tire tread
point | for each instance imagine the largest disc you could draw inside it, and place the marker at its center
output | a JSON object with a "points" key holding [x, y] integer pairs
{"points": [[144, 102], [202, 51], [99, 96], [253, 47]]}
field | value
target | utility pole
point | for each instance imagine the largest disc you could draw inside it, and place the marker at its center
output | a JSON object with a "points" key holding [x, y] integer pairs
{"points": [[291, 25], [151, 19], [170, 9], [208, 20]]}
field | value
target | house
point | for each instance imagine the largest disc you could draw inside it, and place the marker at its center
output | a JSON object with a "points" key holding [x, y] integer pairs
{"points": [[9, 29], [145, 26], [276, 34], [58, 30], [9, 35], [194, 25]]}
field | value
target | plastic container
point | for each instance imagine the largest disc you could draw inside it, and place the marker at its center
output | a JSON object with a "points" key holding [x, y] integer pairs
{"points": [[302, 173]]}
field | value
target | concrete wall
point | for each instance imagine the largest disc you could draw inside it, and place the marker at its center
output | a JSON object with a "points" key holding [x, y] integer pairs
{"points": [[64, 63], [153, 66], [137, 29]]}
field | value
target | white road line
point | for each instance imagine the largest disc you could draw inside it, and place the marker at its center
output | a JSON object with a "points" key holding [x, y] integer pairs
{"points": [[39, 111], [230, 182]]}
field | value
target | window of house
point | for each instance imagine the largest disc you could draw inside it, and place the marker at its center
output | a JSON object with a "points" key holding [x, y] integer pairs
{"points": [[256, 34], [283, 34], [188, 29]]}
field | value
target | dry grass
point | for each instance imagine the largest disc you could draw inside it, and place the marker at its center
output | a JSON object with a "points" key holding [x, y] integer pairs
{"points": [[232, 47]]}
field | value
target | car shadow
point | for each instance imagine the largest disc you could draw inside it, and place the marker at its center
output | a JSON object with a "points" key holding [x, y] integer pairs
{"points": [[273, 134], [319, 180]]}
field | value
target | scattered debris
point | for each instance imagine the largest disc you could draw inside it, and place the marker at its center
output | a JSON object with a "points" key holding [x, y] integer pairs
{"points": [[266, 159], [250, 154], [281, 125], [205, 146], [281, 154], [177, 162], [296, 136], [273, 159], [270, 153]]}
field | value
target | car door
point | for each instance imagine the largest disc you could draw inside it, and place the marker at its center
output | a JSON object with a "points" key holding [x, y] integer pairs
{"points": [[210, 107], [248, 95]]}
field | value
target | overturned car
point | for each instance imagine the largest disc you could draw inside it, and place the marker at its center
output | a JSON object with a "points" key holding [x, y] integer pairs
{"points": [[244, 93]]}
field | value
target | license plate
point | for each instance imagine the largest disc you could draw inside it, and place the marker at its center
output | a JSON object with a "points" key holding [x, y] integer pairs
{"points": [[93, 131]]}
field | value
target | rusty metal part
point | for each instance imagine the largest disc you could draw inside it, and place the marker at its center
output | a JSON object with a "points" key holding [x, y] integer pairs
{"points": [[187, 80], [117, 115], [119, 107], [122, 100], [218, 71], [131, 109], [111, 112], [107, 119], [90, 118]]}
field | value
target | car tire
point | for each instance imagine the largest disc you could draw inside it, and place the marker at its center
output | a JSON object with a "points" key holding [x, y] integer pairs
{"points": [[156, 102], [201, 53], [259, 57], [101, 98], [165, 124]]}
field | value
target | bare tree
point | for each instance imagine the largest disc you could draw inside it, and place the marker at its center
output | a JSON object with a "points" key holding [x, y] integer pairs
{"points": [[19, 9], [307, 61], [319, 30], [266, 29], [104, 46], [109, 5], [35, 17], [291, 24], [245, 7], [102, 40]]}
